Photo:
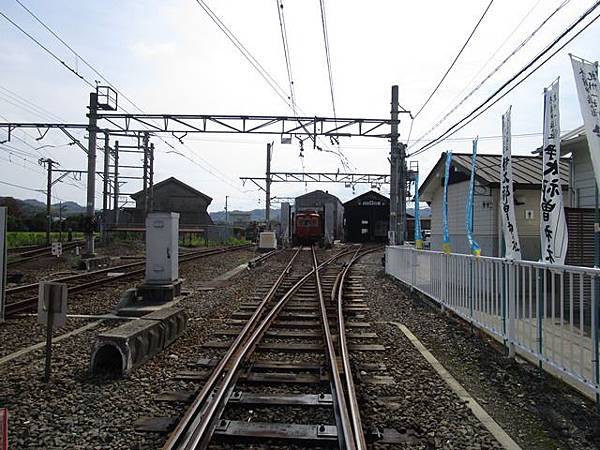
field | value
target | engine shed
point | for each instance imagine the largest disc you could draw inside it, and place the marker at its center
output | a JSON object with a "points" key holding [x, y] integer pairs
{"points": [[366, 218], [329, 207]]}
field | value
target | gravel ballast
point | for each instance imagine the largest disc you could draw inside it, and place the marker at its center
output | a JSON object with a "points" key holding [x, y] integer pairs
{"points": [[536, 410]]}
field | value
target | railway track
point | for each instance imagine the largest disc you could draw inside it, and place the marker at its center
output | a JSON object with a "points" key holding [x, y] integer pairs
{"points": [[23, 298], [23, 254], [303, 314]]}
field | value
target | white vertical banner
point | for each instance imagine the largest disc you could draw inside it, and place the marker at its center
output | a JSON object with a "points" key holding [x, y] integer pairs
{"points": [[588, 91], [553, 224], [507, 202]]}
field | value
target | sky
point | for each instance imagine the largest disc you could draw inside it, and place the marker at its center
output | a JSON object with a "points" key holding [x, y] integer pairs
{"points": [[170, 57]]}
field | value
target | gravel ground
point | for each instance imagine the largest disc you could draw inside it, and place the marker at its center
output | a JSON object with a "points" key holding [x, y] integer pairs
{"points": [[77, 411], [46, 267], [538, 411], [23, 332]]}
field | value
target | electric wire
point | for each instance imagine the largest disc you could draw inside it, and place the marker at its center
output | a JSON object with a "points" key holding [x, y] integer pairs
{"points": [[493, 55], [97, 72], [497, 68], [47, 50], [343, 159], [286, 52], [20, 187], [246, 53], [476, 112], [275, 86], [327, 54], [455, 59]]}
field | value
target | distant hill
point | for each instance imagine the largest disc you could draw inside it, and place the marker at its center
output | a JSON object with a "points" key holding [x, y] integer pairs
{"points": [[255, 215], [31, 206]]}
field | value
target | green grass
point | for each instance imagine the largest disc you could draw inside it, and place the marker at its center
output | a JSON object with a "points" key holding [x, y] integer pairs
{"points": [[24, 238], [200, 242]]}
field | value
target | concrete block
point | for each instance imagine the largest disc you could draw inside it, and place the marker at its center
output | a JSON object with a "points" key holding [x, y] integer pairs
{"points": [[94, 263], [119, 351]]}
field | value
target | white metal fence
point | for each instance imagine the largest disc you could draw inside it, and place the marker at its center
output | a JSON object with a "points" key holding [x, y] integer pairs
{"points": [[549, 313]]}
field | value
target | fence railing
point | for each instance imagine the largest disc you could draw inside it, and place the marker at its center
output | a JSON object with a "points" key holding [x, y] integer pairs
{"points": [[549, 313]]}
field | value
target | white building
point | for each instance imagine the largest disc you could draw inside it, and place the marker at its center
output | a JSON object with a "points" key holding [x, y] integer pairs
{"points": [[527, 176]]}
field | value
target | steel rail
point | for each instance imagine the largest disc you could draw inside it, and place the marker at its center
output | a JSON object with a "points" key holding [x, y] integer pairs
{"points": [[346, 437], [195, 429], [354, 409], [26, 287], [26, 304], [16, 258], [180, 437]]}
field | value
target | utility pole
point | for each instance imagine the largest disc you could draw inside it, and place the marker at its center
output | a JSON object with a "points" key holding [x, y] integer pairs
{"points": [[116, 184], [91, 174], [105, 182], [394, 163], [402, 194], [151, 178], [226, 211], [145, 176], [268, 189], [60, 221], [49, 163]]}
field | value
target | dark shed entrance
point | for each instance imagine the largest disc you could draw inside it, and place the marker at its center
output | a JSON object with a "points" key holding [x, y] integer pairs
{"points": [[366, 218]]}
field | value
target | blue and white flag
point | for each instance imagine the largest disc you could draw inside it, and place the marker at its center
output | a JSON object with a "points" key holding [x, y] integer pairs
{"points": [[473, 245], [553, 223], [446, 248], [507, 196], [418, 236]]}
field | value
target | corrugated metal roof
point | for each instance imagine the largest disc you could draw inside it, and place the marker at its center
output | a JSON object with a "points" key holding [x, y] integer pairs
{"points": [[526, 169]]}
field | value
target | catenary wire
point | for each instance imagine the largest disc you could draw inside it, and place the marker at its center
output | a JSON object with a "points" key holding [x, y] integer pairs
{"points": [[478, 110], [455, 59], [496, 69]]}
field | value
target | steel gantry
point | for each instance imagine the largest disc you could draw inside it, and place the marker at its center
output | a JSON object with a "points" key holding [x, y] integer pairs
{"points": [[103, 118]]}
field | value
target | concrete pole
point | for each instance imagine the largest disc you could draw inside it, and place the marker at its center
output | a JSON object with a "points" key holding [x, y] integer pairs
{"points": [[49, 201], [116, 185], [226, 211], [105, 189], [402, 194], [145, 177], [268, 189], [91, 174], [151, 178], [394, 179]]}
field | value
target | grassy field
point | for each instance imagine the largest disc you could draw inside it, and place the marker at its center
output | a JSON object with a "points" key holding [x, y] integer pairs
{"points": [[23, 238]]}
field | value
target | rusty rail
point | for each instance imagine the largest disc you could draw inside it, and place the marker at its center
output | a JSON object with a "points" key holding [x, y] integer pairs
{"points": [[20, 306], [195, 429]]}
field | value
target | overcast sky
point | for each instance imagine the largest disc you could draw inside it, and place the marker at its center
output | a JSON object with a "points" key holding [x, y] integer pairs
{"points": [[169, 57]]}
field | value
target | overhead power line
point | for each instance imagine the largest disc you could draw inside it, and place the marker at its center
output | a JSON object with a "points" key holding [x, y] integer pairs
{"points": [[108, 82], [486, 105], [275, 86], [327, 54], [455, 59], [246, 53], [21, 187], [52, 54], [286, 52], [496, 69], [509, 35]]}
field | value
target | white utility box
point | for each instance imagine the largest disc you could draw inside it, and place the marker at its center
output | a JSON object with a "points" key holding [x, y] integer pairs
{"points": [[267, 241], [162, 247]]}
